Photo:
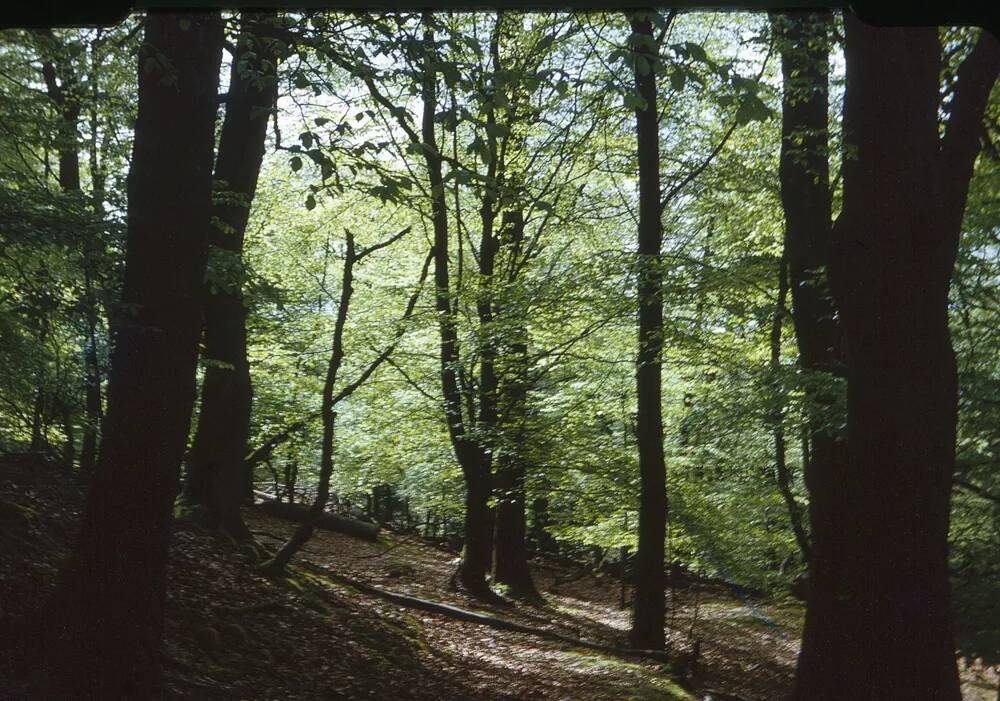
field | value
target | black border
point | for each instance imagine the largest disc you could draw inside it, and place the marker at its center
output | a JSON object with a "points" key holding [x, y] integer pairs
{"points": [[66, 13]]}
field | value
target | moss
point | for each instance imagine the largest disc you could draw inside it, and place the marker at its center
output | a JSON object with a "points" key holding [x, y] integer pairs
{"points": [[399, 568], [649, 685]]}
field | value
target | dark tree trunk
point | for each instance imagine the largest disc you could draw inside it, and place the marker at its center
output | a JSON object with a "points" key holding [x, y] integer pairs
{"points": [[511, 551], [61, 87], [878, 622], [804, 174], [477, 553], [304, 532], [486, 429], [38, 441], [104, 621], [69, 449], [648, 605], [782, 475], [329, 399], [93, 406], [510, 565], [218, 478]]}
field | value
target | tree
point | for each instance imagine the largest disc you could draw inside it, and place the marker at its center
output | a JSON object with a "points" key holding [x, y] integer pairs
{"points": [[804, 176], [648, 606], [218, 480], [330, 397], [478, 552], [62, 87], [879, 622], [104, 621]]}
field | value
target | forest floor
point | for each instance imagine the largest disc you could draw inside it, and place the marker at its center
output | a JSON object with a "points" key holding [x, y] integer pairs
{"points": [[234, 634]]}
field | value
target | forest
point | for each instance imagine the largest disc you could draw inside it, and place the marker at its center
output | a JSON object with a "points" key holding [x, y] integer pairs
{"points": [[647, 354]]}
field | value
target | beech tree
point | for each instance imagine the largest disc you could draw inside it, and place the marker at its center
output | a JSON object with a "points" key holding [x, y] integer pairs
{"points": [[331, 396], [648, 607], [879, 620], [104, 621], [622, 239], [804, 177], [218, 480]]}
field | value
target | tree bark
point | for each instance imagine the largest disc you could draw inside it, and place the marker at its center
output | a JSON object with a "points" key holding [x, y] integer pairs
{"points": [[879, 622], [105, 619], [477, 553], [782, 475], [304, 532], [510, 563], [648, 605], [217, 477], [486, 428]]}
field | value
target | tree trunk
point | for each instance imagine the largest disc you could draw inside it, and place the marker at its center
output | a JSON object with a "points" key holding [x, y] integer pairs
{"points": [[218, 478], [782, 475], [511, 551], [329, 399], [93, 406], [105, 619], [648, 606], [61, 86], [69, 449], [477, 553], [304, 532], [878, 623], [510, 566], [38, 440]]}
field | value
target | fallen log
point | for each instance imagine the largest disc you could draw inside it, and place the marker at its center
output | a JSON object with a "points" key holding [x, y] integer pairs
{"points": [[331, 522], [483, 619]]}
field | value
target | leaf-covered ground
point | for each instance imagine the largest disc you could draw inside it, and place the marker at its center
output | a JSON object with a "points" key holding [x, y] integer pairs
{"points": [[233, 634]]}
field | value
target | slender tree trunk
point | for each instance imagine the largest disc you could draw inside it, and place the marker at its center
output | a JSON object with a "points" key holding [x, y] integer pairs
{"points": [[61, 86], [648, 605], [217, 478], [69, 449], [38, 441], [804, 175], [782, 476], [93, 406], [329, 399], [105, 619], [304, 532], [878, 623], [477, 553]]}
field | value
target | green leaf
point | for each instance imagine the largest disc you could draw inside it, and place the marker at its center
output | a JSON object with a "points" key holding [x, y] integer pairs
{"points": [[678, 78], [633, 101], [296, 164]]}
